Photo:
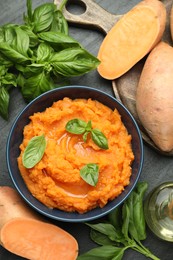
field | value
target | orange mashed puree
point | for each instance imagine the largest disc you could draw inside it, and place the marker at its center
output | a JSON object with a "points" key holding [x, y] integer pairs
{"points": [[55, 180]]}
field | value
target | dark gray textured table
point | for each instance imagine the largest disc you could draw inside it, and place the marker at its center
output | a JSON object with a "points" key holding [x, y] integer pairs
{"points": [[157, 168]]}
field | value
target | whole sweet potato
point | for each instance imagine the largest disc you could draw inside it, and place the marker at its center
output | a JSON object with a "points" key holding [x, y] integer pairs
{"points": [[154, 97]]}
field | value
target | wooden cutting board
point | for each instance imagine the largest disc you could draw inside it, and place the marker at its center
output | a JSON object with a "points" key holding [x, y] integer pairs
{"points": [[125, 86]]}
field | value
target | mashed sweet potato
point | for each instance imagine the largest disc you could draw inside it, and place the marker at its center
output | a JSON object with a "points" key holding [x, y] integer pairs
{"points": [[55, 180]]}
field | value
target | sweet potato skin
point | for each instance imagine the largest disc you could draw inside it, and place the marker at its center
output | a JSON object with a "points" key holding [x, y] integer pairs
{"points": [[154, 96], [171, 22], [126, 43], [12, 206]]}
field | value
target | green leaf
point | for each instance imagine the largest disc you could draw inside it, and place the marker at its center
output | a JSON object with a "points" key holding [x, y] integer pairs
{"points": [[29, 10], [115, 217], [43, 16], [138, 211], [33, 38], [9, 33], [76, 126], [132, 226], [73, 62], [9, 79], [20, 80], [90, 173], [1, 34], [30, 70], [126, 220], [44, 52], [108, 230], [4, 102], [88, 126], [57, 38], [137, 226], [59, 23], [3, 70], [85, 136], [104, 252], [34, 151], [99, 138], [100, 238], [36, 85], [21, 43], [13, 54]]}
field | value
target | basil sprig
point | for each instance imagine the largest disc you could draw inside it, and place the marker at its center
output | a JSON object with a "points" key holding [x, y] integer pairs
{"points": [[90, 173], [41, 53], [78, 126], [34, 151], [124, 229]]}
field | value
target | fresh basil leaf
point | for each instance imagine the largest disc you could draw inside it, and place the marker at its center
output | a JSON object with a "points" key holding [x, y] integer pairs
{"points": [[4, 102], [73, 62], [90, 173], [138, 210], [30, 70], [59, 23], [101, 239], [43, 16], [5, 61], [87, 129], [85, 136], [20, 80], [126, 220], [12, 54], [115, 218], [9, 79], [106, 229], [1, 34], [99, 138], [89, 126], [132, 229], [33, 38], [57, 38], [3, 70], [76, 126], [21, 43], [34, 151], [36, 85], [27, 18], [107, 252], [29, 10], [44, 52], [9, 34]]}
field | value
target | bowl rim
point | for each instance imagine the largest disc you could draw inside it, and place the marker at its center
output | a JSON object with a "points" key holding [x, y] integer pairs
{"points": [[81, 217]]}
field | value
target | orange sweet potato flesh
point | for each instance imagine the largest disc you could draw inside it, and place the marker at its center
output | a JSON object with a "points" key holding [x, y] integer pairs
{"points": [[27, 234], [154, 96], [37, 240], [131, 38]]}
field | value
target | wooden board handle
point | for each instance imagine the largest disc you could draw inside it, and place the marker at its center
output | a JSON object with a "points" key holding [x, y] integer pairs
{"points": [[94, 15]]}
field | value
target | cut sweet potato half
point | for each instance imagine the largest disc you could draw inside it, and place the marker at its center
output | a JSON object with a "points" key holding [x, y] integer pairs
{"points": [[132, 37]]}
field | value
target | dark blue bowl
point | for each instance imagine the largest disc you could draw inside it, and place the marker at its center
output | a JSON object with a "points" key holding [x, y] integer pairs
{"points": [[40, 104]]}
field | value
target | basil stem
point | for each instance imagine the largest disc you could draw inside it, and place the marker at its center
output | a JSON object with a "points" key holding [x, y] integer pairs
{"points": [[34, 151], [90, 173]]}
